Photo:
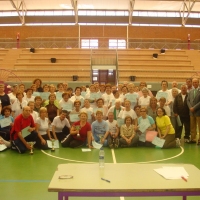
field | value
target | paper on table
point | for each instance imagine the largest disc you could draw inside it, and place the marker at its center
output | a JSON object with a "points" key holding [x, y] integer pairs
{"points": [[56, 144], [158, 142], [96, 145], [172, 172], [5, 122], [3, 147], [25, 132], [85, 150]]}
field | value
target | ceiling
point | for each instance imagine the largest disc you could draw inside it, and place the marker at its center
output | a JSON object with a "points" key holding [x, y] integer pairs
{"points": [[108, 5]]}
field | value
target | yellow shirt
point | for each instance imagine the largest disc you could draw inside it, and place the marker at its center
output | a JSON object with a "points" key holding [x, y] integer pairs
{"points": [[162, 123]]}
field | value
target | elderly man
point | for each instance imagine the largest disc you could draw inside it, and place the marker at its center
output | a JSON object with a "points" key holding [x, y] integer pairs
{"points": [[19, 137], [181, 109], [193, 102]]}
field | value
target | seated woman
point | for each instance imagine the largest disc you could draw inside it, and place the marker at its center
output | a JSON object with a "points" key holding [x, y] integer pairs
{"points": [[127, 111], [145, 121], [80, 133], [52, 106], [60, 126], [100, 129], [5, 130], [18, 105], [128, 135], [42, 128], [166, 130]]}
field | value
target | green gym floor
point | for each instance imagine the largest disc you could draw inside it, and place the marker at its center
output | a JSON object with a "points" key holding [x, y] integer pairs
{"points": [[24, 176]]}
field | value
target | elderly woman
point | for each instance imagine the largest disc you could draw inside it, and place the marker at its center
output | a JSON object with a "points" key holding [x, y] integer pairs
{"points": [[127, 132], [5, 130], [74, 114], [127, 111], [77, 95], [4, 98], [100, 129], [92, 96], [166, 130], [29, 95], [116, 109], [144, 100], [80, 133], [52, 106], [18, 105], [42, 128], [101, 107], [108, 95], [66, 103], [34, 114], [89, 110], [38, 83], [132, 96], [145, 123], [13, 94], [60, 126], [52, 89], [144, 85], [151, 109]]}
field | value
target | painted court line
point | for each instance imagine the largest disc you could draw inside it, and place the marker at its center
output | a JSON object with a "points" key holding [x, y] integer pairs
{"points": [[25, 181]]}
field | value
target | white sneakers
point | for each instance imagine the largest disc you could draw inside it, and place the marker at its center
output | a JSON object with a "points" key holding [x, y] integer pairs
{"points": [[8, 144]]}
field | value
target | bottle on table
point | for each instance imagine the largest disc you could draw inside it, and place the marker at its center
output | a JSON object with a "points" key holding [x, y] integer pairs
{"points": [[101, 157]]}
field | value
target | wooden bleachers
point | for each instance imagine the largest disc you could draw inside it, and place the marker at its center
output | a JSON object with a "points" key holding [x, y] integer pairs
{"points": [[174, 64]]}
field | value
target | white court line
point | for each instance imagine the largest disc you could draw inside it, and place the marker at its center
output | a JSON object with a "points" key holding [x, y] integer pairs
{"points": [[65, 158]]}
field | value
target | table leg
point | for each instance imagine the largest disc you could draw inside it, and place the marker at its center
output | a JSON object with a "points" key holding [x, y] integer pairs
{"points": [[62, 196]]}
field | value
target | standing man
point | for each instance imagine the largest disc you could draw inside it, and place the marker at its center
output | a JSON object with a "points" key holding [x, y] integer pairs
{"points": [[189, 84], [181, 109], [193, 102], [20, 142]]}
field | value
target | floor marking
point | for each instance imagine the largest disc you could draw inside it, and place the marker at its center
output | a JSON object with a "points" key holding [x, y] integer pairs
{"points": [[113, 156], [25, 181], [65, 158]]}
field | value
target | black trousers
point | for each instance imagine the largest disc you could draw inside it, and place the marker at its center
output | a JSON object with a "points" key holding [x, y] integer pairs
{"points": [[69, 141], [186, 122]]}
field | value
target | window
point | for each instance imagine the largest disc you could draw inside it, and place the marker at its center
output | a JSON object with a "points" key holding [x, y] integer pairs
{"points": [[89, 44], [117, 44]]}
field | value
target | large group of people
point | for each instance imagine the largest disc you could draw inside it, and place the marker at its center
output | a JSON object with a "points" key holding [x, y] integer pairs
{"points": [[114, 116]]}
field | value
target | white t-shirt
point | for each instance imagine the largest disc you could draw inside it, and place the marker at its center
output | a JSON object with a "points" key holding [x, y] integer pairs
{"points": [[44, 125], [107, 98], [80, 98], [112, 126], [66, 104], [16, 108], [89, 111], [144, 102], [168, 95], [34, 115], [124, 113], [29, 99], [12, 97], [59, 125]]}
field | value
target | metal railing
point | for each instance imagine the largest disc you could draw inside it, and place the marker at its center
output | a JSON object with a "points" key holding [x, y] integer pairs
{"points": [[136, 43]]}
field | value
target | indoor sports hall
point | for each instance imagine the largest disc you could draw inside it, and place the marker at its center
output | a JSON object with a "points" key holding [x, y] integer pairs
{"points": [[79, 43]]}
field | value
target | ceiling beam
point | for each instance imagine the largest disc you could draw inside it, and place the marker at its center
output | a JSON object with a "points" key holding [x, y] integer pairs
{"points": [[75, 7], [20, 7], [186, 9], [131, 8]]}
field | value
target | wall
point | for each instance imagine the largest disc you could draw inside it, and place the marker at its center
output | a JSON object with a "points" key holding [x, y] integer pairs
{"points": [[100, 31]]}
